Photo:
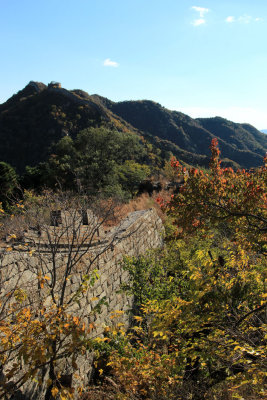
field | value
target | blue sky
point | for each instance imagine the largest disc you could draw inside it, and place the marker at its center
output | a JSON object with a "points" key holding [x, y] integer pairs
{"points": [[204, 58]]}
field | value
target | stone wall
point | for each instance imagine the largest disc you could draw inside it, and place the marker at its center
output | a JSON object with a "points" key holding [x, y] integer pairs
{"points": [[140, 231]]}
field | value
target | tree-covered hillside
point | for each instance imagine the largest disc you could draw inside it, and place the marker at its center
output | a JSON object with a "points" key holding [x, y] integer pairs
{"points": [[240, 143], [35, 119], [98, 159]]}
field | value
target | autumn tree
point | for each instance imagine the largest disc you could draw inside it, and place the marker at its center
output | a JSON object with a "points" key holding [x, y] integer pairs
{"points": [[222, 197], [200, 324]]}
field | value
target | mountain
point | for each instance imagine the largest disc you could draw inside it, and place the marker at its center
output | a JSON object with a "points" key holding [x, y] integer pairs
{"points": [[39, 115], [35, 118], [264, 130], [241, 143]]}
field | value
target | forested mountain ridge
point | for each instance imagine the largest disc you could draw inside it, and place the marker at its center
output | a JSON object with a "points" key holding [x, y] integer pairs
{"points": [[241, 143], [37, 117]]}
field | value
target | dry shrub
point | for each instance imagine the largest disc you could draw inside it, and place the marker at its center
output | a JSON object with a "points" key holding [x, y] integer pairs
{"points": [[225, 391], [142, 202], [106, 391], [14, 224]]}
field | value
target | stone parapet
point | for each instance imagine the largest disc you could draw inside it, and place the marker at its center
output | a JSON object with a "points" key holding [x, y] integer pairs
{"points": [[137, 233]]}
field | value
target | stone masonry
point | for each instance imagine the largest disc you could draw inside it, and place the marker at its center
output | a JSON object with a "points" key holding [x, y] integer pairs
{"points": [[137, 233]]}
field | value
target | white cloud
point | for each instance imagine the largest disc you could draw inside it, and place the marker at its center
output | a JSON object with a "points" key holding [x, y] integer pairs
{"points": [[230, 19], [201, 10], [245, 19], [109, 63], [199, 21]]}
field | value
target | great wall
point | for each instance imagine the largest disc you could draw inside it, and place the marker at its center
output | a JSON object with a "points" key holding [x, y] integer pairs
{"points": [[133, 236]]}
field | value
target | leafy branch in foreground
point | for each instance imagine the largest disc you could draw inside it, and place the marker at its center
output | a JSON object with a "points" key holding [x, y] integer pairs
{"points": [[209, 327], [232, 200], [200, 321]]}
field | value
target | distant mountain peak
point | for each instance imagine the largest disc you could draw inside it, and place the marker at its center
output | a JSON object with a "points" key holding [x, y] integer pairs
{"points": [[39, 115], [38, 86]]}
